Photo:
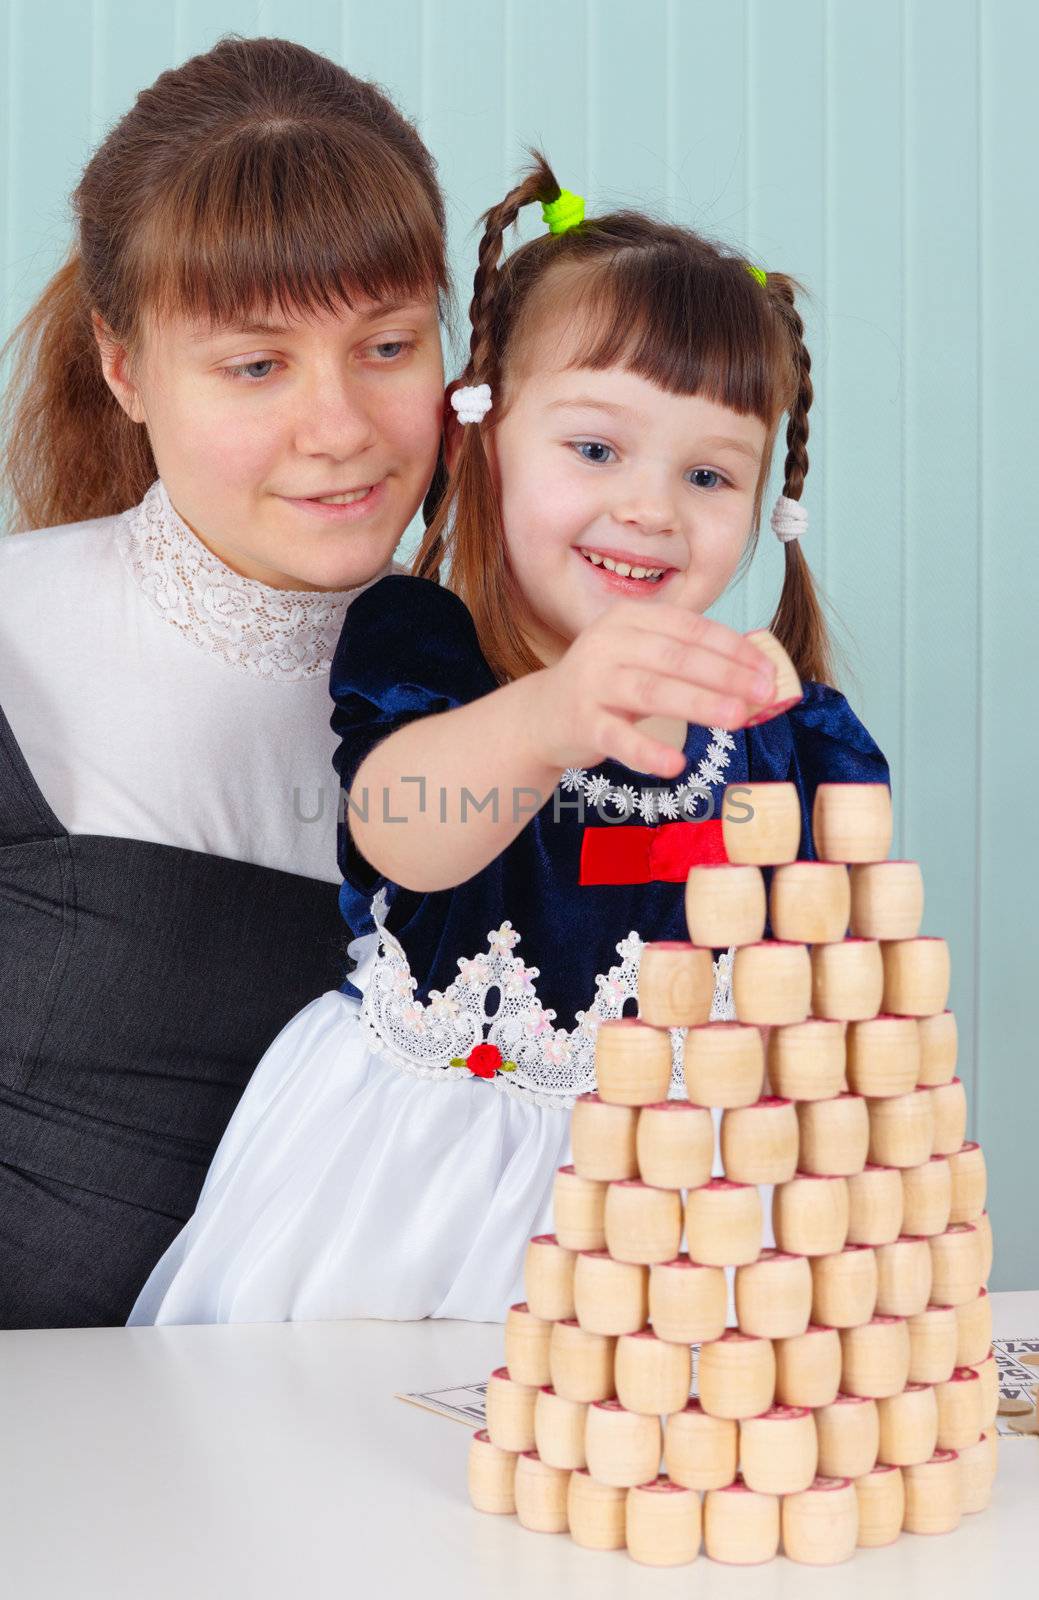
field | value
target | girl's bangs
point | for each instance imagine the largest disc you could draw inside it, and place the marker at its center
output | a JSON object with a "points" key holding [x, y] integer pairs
{"points": [[300, 220], [689, 328]]}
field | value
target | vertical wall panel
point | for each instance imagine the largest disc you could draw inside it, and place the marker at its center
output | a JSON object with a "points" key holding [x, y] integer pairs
{"points": [[882, 155]]}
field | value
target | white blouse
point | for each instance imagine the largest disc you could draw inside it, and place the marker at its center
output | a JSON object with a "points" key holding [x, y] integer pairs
{"points": [[158, 695]]}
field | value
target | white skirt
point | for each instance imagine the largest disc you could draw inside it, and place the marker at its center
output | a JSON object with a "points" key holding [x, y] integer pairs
{"points": [[345, 1187]]}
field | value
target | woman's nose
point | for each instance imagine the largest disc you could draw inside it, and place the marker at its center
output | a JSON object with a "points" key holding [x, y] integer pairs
{"points": [[334, 419]]}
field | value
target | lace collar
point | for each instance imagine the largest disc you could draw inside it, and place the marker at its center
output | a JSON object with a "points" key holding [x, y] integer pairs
{"points": [[282, 634]]}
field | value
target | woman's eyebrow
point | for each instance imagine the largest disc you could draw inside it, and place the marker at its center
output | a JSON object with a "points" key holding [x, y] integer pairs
{"points": [[279, 332]]}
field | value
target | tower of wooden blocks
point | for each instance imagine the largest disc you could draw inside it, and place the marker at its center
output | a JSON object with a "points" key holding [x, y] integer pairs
{"points": [[856, 1394]]}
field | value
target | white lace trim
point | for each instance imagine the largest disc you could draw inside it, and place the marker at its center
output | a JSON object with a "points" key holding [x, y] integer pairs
{"points": [[660, 802], [553, 1065], [283, 634]]}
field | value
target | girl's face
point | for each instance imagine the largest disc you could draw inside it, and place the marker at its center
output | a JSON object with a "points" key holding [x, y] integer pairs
{"points": [[250, 425], [604, 466]]}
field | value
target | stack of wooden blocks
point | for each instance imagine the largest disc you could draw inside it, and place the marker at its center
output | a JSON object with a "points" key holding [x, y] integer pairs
{"points": [[856, 1394]]}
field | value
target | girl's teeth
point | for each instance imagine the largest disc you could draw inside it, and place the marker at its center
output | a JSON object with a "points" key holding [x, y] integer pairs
{"points": [[341, 499], [622, 569]]}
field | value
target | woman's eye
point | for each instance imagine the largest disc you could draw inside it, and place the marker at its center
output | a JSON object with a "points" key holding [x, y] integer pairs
{"points": [[707, 472], [597, 453], [247, 367], [392, 348]]}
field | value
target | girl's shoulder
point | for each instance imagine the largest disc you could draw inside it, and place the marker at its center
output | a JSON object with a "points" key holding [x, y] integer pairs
{"points": [[406, 636], [821, 739]]}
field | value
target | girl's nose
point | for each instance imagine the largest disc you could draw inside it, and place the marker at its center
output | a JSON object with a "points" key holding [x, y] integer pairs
{"points": [[334, 419], [649, 511]]}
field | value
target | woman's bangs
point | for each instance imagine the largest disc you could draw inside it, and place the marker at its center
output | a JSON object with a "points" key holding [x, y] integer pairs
{"points": [[300, 221]]}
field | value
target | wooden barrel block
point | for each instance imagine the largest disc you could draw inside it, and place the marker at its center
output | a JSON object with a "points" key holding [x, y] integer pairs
{"points": [[848, 1430], [774, 1295], [526, 1346], [821, 1524], [492, 1476], [700, 1451], [632, 1062], [772, 982], [984, 1231], [723, 1223], [949, 1107], [808, 1367], [875, 1357], [956, 1264], [761, 824], [969, 1183], [759, 1142], [908, 1425], [652, 1374], [622, 1447], [938, 1048], [901, 1129], [874, 1205], [610, 1296], [810, 902], [675, 1144], [578, 1209], [932, 1344], [541, 1493], [882, 1503], [852, 822], [688, 1302], [847, 980], [927, 1197], [806, 1060], [548, 1277], [602, 1138], [810, 1215], [643, 1224], [833, 1136], [975, 1475], [788, 690], [973, 1329], [663, 1524], [740, 1527], [916, 976], [883, 1055], [595, 1512], [559, 1426], [960, 1409], [903, 1277], [988, 1377], [676, 984], [737, 1375], [779, 1450], [844, 1292], [510, 1412], [725, 905], [581, 1363], [723, 1064], [933, 1496], [887, 899]]}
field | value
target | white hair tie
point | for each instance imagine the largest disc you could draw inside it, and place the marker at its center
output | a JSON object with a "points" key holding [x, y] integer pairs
{"points": [[473, 403], [789, 519]]}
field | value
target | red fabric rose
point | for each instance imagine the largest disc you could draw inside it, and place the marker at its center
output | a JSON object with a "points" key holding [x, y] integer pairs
{"points": [[484, 1060]]}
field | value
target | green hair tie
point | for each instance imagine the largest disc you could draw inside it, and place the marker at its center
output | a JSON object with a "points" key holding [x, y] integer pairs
{"points": [[563, 213], [756, 272]]}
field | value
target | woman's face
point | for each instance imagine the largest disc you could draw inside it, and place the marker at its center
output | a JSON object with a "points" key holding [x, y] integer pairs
{"points": [[249, 425]]}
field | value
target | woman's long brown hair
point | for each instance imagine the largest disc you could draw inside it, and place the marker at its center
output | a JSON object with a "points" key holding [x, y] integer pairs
{"points": [[258, 175], [675, 308]]}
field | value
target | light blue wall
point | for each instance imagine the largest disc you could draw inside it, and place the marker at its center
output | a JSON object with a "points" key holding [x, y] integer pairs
{"points": [[884, 155]]}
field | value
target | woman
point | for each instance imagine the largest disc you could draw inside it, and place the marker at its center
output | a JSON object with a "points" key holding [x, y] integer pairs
{"points": [[246, 327]]}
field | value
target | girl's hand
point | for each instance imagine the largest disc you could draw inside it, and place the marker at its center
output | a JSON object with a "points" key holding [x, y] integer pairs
{"points": [[637, 661]]}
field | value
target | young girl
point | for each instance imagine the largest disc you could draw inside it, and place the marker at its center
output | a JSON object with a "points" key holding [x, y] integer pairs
{"points": [[171, 602], [501, 841]]}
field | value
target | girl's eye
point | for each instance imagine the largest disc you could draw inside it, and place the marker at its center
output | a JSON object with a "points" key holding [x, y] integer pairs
{"points": [[707, 472], [598, 453], [238, 373]]}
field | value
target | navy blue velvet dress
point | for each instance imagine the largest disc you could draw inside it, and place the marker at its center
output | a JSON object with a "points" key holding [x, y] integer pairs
{"points": [[397, 1145]]}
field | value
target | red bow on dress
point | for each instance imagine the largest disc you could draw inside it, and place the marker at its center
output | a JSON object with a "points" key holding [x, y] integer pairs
{"points": [[664, 854]]}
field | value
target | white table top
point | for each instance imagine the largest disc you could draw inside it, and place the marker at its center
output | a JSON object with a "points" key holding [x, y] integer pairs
{"points": [[273, 1460]]}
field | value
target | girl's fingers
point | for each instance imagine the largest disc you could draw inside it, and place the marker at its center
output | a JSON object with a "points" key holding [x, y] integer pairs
{"points": [[624, 743], [640, 658], [745, 670], [642, 692]]}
